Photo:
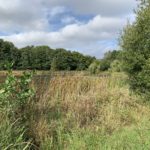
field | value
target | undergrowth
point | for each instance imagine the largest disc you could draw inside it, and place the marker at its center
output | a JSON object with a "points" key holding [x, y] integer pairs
{"points": [[15, 96], [74, 113]]}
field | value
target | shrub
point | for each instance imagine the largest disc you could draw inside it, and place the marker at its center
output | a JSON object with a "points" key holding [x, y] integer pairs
{"points": [[135, 42], [94, 67], [116, 66], [15, 95]]}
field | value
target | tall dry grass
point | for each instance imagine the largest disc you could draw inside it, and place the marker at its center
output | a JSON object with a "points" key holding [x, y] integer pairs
{"points": [[79, 103], [76, 110]]}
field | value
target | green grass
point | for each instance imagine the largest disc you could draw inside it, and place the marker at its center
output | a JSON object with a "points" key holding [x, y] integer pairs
{"points": [[11, 137], [128, 138]]}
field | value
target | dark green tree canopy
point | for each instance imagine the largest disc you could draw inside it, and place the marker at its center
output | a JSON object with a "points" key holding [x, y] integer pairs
{"points": [[8, 53], [42, 58]]}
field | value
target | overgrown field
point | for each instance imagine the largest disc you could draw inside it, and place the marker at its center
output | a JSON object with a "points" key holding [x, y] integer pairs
{"points": [[78, 112]]}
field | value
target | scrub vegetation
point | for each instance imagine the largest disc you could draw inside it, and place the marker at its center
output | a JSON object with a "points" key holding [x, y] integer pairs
{"points": [[93, 104]]}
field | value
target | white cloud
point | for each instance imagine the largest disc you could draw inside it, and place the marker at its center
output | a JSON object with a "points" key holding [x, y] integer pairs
{"points": [[31, 14], [33, 19], [102, 7], [18, 15], [57, 10], [69, 20], [72, 36]]}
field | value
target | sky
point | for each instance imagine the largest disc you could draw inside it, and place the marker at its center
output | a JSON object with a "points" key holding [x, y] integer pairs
{"points": [[91, 27]]}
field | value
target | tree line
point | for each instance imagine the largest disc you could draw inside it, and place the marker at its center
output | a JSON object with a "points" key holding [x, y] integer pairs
{"points": [[42, 58]]}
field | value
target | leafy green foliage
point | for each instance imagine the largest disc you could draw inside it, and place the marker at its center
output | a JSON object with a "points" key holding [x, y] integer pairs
{"points": [[54, 65], [17, 89], [41, 58], [109, 57], [116, 66], [94, 67], [8, 53], [112, 61], [135, 42], [15, 95]]}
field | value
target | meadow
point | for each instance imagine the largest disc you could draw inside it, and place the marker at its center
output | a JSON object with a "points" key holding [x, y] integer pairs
{"points": [[79, 111]]}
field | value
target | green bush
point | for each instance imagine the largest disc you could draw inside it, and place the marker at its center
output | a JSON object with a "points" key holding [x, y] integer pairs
{"points": [[108, 59], [116, 66], [135, 42], [94, 67], [15, 95], [105, 65]]}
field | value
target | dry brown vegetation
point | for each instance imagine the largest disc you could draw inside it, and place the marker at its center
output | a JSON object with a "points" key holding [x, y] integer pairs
{"points": [[80, 102], [81, 111]]}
